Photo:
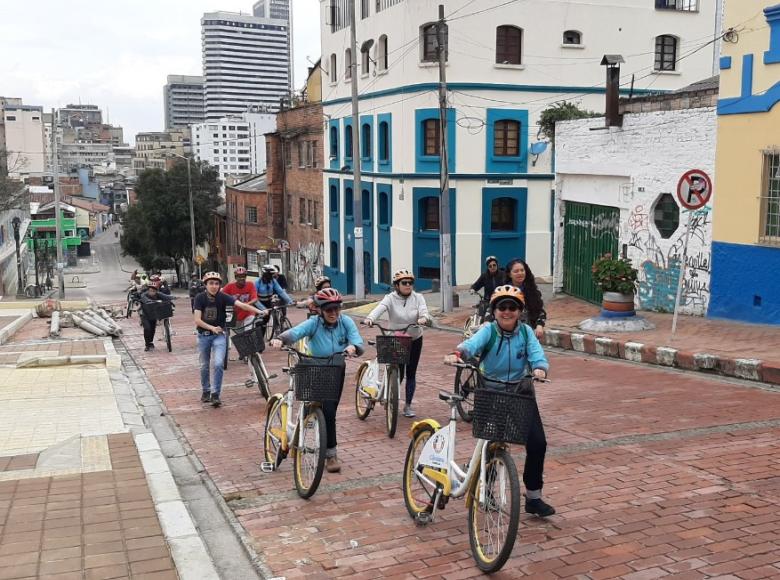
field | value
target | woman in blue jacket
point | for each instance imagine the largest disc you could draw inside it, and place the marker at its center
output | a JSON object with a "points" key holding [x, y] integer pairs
{"points": [[507, 349], [330, 333]]}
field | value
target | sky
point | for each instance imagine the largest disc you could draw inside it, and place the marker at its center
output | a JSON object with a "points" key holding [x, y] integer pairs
{"points": [[117, 53]]}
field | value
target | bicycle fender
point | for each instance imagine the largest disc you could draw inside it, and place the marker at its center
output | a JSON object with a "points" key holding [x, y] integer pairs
{"points": [[472, 489], [417, 425], [272, 401]]}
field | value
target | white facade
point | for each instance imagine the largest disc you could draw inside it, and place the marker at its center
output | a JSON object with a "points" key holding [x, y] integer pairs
{"points": [[636, 168], [183, 101], [235, 145], [502, 203], [23, 139], [246, 63], [157, 149]]}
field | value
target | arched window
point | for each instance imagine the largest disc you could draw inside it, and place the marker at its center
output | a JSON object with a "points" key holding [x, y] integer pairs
{"points": [[366, 201], [334, 75], [384, 209], [365, 141], [509, 45], [429, 42], [506, 138], [348, 141], [666, 52], [365, 56], [348, 64], [381, 53], [429, 214], [334, 199], [503, 215], [334, 254], [384, 141], [572, 37], [384, 271], [349, 202], [334, 142]]}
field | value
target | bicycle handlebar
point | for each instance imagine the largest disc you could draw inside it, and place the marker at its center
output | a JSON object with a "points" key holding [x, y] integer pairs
{"points": [[465, 365], [386, 330], [304, 355]]}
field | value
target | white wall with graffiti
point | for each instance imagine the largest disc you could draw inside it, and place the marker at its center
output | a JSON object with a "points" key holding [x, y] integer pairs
{"points": [[306, 264], [636, 168]]}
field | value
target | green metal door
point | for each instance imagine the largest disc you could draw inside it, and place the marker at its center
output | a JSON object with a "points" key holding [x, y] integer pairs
{"points": [[589, 231]]}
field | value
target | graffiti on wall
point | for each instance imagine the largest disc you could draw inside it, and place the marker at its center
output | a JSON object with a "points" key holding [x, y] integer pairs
{"points": [[306, 264], [660, 260]]}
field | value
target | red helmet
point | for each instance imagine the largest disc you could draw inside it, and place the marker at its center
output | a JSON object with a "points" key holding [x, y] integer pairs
{"points": [[240, 271], [155, 278], [327, 296], [155, 284]]}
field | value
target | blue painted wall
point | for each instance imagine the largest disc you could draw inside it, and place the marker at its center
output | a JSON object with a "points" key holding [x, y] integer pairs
{"points": [[499, 164], [338, 279], [385, 165], [744, 283], [430, 163], [425, 251], [383, 231], [504, 245]]}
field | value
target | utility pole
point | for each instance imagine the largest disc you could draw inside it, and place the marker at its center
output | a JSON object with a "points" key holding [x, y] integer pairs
{"points": [[357, 189], [57, 217], [192, 217], [445, 249]]}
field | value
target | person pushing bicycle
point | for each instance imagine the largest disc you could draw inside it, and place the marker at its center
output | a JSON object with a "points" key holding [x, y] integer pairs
{"points": [[151, 294], [267, 286], [506, 348], [331, 333]]}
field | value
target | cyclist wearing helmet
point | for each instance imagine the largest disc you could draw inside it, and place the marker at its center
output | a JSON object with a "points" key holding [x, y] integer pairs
{"points": [[404, 306], [246, 293], [196, 287], [162, 285], [267, 286], [210, 318], [330, 333], [280, 278], [490, 279], [153, 293], [319, 283], [507, 349]]}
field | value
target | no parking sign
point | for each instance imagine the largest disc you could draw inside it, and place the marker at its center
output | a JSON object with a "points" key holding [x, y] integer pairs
{"points": [[694, 189]]}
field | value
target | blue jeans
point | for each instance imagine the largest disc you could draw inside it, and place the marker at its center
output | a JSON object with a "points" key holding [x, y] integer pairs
{"points": [[211, 347]]}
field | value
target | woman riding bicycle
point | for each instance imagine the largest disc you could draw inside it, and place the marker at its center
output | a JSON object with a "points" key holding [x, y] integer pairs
{"points": [[506, 348], [267, 287], [329, 334], [404, 306], [489, 280]]}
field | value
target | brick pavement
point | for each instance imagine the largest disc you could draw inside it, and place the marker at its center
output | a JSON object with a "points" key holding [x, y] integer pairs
{"points": [[654, 472]]}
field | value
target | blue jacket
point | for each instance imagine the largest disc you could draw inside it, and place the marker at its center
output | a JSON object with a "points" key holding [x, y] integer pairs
{"points": [[508, 358], [265, 290], [325, 340]]}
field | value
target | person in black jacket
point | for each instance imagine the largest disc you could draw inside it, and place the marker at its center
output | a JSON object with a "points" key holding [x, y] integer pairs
{"points": [[151, 294], [490, 279], [520, 276]]}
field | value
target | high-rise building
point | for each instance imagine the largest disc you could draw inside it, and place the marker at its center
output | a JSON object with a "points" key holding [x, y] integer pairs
{"points": [[184, 105], [22, 145], [246, 62], [278, 9]]}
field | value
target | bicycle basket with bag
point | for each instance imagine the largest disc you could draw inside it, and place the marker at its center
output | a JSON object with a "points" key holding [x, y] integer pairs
{"points": [[393, 349], [503, 414], [249, 341]]}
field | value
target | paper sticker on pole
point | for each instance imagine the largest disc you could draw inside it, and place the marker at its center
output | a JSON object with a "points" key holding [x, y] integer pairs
{"points": [[694, 189]]}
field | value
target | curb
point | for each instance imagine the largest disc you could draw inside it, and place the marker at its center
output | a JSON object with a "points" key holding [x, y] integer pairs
{"points": [[8, 331], [740, 368]]}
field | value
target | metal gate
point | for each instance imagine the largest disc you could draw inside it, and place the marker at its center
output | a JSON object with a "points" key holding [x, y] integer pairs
{"points": [[590, 231]]}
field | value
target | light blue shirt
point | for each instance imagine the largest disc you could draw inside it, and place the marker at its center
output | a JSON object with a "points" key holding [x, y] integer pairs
{"points": [[508, 358], [325, 340], [265, 290]]}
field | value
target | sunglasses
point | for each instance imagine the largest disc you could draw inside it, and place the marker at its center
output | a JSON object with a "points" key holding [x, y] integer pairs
{"points": [[334, 308], [406, 283], [511, 306]]}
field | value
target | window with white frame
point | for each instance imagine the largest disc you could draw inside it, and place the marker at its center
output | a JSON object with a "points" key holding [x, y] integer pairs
{"points": [[572, 38], [665, 52], [365, 56], [509, 44], [381, 53], [770, 200]]}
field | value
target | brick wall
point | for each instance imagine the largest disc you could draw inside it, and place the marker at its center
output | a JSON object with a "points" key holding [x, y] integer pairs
{"points": [[242, 234]]}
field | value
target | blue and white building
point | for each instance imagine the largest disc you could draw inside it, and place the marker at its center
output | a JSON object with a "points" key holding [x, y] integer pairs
{"points": [[505, 65]]}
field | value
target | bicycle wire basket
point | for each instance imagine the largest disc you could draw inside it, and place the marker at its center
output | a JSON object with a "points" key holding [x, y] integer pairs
{"points": [[503, 415], [393, 350], [157, 310], [317, 382], [250, 341]]}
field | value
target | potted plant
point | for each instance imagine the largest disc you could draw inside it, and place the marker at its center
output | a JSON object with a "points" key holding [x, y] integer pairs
{"points": [[617, 280]]}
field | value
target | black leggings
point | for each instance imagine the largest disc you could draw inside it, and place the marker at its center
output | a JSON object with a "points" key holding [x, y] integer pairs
{"points": [[149, 328], [535, 450], [409, 372], [329, 409]]}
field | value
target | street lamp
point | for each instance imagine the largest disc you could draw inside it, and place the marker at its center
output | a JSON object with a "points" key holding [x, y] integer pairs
{"points": [[192, 211], [16, 222]]}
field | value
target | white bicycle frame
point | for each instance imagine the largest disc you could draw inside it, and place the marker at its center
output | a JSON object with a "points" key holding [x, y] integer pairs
{"points": [[376, 374], [292, 425]]}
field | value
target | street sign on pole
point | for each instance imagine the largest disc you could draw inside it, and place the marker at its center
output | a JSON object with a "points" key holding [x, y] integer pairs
{"points": [[694, 191]]}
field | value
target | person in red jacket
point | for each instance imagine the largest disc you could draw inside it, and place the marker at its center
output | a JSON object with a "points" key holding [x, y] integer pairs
{"points": [[246, 293]]}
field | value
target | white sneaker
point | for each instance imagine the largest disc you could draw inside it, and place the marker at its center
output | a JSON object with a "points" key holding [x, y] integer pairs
{"points": [[409, 412]]}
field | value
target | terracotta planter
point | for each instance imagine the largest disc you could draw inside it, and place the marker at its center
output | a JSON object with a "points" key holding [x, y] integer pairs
{"points": [[615, 304]]}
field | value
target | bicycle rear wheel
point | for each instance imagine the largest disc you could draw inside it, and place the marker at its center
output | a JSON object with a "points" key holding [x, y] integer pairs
{"points": [[493, 523], [418, 496], [273, 433], [465, 384], [364, 403], [391, 409], [167, 327], [261, 375], [310, 453]]}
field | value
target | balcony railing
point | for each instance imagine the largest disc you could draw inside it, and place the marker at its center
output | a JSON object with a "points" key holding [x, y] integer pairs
{"points": [[678, 5], [382, 4]]}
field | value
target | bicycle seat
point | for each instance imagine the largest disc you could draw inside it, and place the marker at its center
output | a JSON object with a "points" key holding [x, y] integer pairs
{"points": [[450, 398], [372, 343]]}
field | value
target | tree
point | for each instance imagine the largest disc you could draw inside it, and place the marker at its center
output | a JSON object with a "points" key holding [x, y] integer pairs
{"points": [[157, 228], [13, 193], [564, 111]]}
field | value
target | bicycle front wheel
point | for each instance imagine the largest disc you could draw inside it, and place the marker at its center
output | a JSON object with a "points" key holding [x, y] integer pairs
{"points": [[310, 453], [273, 434], [493, 522], [391, 409], [167, 327], [364, 403], [261, 376], [418, 495], [465, 384]]}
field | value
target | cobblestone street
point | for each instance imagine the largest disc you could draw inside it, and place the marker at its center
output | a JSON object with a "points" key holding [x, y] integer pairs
{"points": [[654, 473]]}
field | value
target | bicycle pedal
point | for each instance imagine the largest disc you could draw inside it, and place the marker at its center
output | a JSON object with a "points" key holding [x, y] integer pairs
{"points": [[267, 467], [273, 376], [249, 383], [285, 369], [423, 519]]}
